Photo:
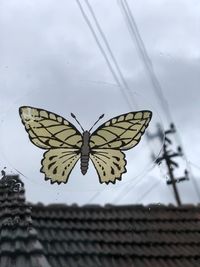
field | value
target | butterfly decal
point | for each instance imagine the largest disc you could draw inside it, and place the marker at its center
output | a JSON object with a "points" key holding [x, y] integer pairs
{"points": [[65, 145]]}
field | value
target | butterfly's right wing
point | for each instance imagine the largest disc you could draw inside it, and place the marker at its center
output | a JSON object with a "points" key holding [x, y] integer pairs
{"points": [[109, 140], [122, 132], [48, 130], [58, 163]]}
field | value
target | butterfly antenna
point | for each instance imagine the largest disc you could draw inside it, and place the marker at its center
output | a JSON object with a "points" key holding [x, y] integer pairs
{"points": [[97, 121], [73, 116]]}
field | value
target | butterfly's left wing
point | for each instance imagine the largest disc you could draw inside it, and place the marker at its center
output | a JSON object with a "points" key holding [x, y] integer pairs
{"points": [[107, 142], [58, 136], [48, 130], [58, 163]]}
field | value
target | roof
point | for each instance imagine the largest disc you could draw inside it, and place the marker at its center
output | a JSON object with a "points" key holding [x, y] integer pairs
{"points": [[19, 243], [94, 236], [119, 235]]}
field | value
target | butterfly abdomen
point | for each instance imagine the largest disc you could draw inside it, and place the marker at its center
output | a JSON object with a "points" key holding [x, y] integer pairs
{"points": [[85, 151]]}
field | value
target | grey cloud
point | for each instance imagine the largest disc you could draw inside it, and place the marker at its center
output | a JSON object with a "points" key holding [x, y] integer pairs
{"points": [[45, 46]]}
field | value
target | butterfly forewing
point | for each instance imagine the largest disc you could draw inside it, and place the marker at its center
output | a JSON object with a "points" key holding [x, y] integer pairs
{"points": [[122, 132], [49, 130], [109, 164]]}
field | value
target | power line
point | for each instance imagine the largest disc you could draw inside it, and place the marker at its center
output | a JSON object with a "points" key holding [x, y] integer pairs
{"points": [[102, 49], [195, 184], [128, 189], [125, 85], [143, 53], [188, 165], [148, 191], [123, 192], [95, 195], [121, 82], [192, 178], [194, 165], [105, 57], [134, 32], [169, 156]]}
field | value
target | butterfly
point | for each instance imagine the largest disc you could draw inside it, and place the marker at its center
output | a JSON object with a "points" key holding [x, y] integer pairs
{"points": [[65, 145]]}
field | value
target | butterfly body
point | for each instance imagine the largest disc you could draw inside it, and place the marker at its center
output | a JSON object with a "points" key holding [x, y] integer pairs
{"points": [[65, 145], [85, 152]]}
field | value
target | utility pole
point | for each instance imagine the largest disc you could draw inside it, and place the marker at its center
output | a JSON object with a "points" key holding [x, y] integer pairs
{"points": [[168, 155]]}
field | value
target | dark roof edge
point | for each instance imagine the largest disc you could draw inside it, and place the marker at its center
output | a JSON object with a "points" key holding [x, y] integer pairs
{"points": [[111, 206]]}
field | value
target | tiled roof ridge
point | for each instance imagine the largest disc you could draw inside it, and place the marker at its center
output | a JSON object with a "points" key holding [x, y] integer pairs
{"points": [[118, 230], [118, 207], [130, 219], [122, 242], [131, 254], [13, 203], [11, 199], [12, 213], [115, 215]]}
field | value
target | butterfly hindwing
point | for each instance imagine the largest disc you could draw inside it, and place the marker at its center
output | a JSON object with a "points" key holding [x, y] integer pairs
{"points": [[58, 163], [49, 130], [109, 164], [122, 132]]}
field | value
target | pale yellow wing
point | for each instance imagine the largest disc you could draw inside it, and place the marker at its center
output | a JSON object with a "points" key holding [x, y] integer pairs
{"points": [[49, 130], [122, 132], [109, 164], [58, 163]]}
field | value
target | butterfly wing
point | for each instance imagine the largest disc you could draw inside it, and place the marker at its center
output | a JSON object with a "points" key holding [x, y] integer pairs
{"points": [[111, 138], [109, 164], [63, 141], [48, 130], [122, 132], [58, 163]]}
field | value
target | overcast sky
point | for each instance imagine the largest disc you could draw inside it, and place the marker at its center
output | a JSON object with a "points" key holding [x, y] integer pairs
{"points": [[50, 59]]}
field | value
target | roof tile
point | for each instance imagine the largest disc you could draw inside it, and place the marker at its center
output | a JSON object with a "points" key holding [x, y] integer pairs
{"points": [[110, 236]]}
